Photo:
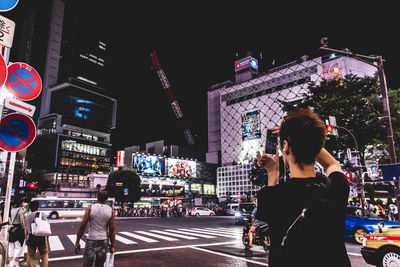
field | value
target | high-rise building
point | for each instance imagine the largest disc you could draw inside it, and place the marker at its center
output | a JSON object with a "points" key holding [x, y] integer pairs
{"points": [[76, 112]]}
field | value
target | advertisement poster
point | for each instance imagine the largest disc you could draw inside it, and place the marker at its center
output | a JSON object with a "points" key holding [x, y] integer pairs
{"points": [[181, 168], [148, 164], [251, 125]]}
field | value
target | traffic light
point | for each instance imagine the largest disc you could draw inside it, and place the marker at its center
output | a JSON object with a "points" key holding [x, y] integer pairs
{"points": [[329, 128], [348, 176], [32, 185]]}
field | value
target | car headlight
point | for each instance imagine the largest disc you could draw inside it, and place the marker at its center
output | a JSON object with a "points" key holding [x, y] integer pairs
{"points": [[238, 214]]}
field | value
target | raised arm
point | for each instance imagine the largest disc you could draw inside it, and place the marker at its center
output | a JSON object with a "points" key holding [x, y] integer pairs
{"points": [[328, 162]]}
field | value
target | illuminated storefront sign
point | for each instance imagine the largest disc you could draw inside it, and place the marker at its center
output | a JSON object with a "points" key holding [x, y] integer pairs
{"points": [[120, 158], [246, 63], [332, 71]]}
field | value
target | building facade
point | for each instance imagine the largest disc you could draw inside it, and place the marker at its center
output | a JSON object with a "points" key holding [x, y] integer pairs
{"points": [[76, 113], [247, 108]]}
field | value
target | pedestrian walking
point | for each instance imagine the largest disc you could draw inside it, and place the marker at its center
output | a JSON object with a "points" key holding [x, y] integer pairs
{"points": [[101, 220], [16, 236], [308, 203], [35, 242]]}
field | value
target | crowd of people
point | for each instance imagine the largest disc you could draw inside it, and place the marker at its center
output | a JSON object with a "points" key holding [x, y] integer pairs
{"points": [[386, 211], [165, 211], [20, 237]]}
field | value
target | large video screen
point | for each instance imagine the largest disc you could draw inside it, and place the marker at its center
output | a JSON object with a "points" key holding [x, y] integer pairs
{"points": [[181, 168], [251, 125], [148, 164]]}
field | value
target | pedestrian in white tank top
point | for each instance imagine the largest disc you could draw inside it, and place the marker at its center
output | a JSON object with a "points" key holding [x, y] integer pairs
{"points": [[101, 220]]}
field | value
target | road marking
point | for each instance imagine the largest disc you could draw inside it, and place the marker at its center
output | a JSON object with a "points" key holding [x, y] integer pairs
{"points": [[223, 231], [55, 243], [229, 256], [73, 240], [157, 236], [189, 233], [146, 250], [145, 239], [224, 234], [354, 254], [172, 234], [124, 240], [202, 231]]}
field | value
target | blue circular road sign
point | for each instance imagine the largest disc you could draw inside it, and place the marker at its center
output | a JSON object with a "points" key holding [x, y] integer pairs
{"points": [[6, 5], [17, 132]]}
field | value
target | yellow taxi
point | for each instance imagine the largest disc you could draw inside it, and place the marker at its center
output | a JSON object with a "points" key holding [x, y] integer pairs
{"points": [[382, 248]]}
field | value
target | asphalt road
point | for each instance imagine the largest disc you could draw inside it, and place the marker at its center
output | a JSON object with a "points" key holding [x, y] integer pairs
{"points": [[195, 241]]}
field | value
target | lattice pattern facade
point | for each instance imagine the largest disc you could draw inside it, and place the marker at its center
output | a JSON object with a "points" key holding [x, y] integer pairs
{"points": [[249, 108]]}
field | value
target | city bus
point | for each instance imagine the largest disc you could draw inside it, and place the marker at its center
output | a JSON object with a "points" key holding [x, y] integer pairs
{"points": [[57, 207]]}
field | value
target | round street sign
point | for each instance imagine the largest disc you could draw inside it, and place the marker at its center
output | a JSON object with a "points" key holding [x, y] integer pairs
{"points": [[3, 71], [6, 5], [17, 132], [23, 81]]}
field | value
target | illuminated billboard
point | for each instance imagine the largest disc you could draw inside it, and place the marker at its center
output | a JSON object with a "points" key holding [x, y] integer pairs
{"points": [[181, 168], [162, 190], [251, 125], [147, 164]]}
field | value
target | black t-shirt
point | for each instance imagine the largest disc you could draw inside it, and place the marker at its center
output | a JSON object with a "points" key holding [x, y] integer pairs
{"points": [[318, 241]]}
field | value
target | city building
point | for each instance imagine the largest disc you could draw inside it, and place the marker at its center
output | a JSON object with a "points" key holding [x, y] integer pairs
{"points": [[75, 113], [240, 112], [168, 173]]}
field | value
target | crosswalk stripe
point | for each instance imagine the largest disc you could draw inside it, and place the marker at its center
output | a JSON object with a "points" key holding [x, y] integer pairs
{"points": [[189, 233], [157, 236], [124, 240], [73, 240], [172, 234], [203, 231], [55, 243], [145, 239], [226, 231], [218, 231]]}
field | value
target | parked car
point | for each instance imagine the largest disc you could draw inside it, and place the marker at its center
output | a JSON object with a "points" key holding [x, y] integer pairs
{"points": [[202, 211], [382, 248], [243, 211], [231, 208], [360, 222]]}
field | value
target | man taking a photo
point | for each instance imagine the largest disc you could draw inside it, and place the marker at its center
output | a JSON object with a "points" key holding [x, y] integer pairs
{"points": [[307, 226]]}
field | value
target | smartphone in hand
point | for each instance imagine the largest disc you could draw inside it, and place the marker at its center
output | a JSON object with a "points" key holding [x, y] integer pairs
{"points": [[271, 142]]}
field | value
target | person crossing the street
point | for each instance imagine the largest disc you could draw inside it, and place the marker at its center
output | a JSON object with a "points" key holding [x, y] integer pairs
{"points": [[101, 220]]}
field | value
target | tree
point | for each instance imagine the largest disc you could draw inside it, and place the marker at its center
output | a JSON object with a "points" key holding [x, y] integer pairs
{"points": [[124, 179], [356, 103]]}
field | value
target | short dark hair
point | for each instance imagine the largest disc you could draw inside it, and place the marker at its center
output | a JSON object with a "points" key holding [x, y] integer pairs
{"points": [[102, 196], [34, 205], [18, 202], [305, 133]]}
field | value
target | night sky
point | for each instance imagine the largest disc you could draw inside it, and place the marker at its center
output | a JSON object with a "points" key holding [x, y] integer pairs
{"points": [[196, 45]]}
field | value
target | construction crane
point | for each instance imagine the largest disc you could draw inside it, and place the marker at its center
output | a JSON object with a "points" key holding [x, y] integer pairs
{"points": [[171, 97]]}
